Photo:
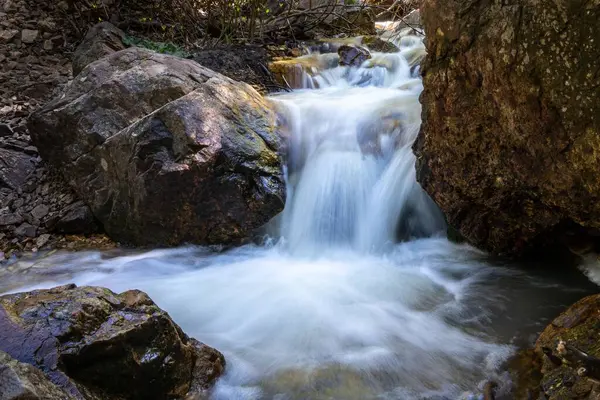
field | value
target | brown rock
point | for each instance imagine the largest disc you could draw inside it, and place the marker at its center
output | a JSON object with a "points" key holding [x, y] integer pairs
{"points": [[510, 142], [8, 35], [95, 344], [579, 326]]}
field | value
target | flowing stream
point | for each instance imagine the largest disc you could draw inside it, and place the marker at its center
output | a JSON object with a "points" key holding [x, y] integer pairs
{"points": [[355, 292]]}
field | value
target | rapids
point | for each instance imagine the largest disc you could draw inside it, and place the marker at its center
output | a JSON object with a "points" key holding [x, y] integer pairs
{"points": [[355, 292]]}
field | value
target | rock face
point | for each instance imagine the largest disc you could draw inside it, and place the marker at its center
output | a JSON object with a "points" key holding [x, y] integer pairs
{"points": [[94, 344], [510, 143], [165, 151], [579, 326]]}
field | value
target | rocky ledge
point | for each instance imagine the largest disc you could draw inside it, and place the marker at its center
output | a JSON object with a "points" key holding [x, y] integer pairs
{"points": [[89, 343]]}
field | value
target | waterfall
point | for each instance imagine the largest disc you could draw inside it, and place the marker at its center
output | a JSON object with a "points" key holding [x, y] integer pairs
{"points": [[351, 175]]}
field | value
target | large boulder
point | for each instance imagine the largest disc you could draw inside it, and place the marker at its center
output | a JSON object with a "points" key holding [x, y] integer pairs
{"points": [[510, 143], [95, 344], [165, 151], [101, 40]]}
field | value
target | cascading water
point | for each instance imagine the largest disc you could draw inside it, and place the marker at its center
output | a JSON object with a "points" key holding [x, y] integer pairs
{"points": [[357, 296]]}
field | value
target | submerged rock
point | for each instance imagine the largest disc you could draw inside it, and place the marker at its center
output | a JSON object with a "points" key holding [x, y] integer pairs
{"points": [[95, 344], [165, 151], [510, 142]]}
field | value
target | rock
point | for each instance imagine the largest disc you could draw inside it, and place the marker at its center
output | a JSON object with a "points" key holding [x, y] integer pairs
{"points": [[15, 168], [29, 36], [10, 219], [510, 142], [375, 43], [77, 220], [578, 326], [19, 381], [353, 56], [8, 35], [48, 45], [165, 151], [40, 211], [95, 344], [5, 130], [26, 229], [42, 240], [101, 40]]}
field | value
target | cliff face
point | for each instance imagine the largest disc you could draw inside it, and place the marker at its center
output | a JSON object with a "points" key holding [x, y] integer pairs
{"points": [[510, 142]]}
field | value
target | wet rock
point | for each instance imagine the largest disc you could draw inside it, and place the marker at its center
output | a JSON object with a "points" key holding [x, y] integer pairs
{"points": [[353, 56], [165, 151], [20, 381], [95, 344], [579, 326], [101, 40], [77, 220], [29, 36], [510, 142]]}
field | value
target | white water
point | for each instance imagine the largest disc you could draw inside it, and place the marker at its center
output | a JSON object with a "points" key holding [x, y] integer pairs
{"points": [[337, 308]]}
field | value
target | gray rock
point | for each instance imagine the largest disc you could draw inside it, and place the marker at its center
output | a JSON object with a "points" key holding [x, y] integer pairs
{"points": [[101, 40], [165, 151], [10, 219], [5, 130], [20, 381], [42, 240], [8, 35], [40, 211], [26, 229], [29, 36], [15, 168], [77, 220]]}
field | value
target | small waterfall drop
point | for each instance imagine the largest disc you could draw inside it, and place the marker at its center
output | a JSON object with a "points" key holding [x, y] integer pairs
{"points": [[351, 175]]}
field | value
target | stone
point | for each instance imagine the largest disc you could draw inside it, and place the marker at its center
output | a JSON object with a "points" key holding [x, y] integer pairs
{"points": [[42, 240], [5, 130], [20, 381], [578, 326], [10, 219], [40, 211], [26, 229], [101, 40], [8, 35], [95, 344], [15, 168], [165, 151], [29, 36], [48, 45], [78, 219], [510, 142], [353, 56]]}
